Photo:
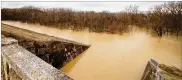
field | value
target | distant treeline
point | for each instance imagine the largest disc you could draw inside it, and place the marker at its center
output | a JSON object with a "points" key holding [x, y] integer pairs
{"points": [[161, 19]]}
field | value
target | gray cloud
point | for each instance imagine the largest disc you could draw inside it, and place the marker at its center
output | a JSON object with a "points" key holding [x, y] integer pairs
{"points": [[12, 4], [85, 6], [92, 4]]}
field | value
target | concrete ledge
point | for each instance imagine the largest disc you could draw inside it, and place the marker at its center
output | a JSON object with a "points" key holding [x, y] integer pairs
{"points": [[31, 35], [151, 71], [28, 66], [43, 45], [8, 41]]}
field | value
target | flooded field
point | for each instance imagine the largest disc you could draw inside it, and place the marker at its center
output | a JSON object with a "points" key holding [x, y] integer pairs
{"points": [[112, 56]]}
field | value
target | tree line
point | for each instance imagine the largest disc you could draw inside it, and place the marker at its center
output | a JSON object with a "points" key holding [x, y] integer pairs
{"points": [[162, 19]]}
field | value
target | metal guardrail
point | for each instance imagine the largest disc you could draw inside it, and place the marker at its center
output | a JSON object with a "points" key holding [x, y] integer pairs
{"points": [[151, 71]]}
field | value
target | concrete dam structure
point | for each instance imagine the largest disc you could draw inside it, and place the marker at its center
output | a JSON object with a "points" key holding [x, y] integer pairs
{"points": [[27, 55]]}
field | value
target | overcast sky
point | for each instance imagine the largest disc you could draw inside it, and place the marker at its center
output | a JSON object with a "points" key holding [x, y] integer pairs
{"points": [[85, 6]]}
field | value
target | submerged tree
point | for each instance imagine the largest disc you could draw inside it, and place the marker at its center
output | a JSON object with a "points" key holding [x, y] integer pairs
{"points": [[162, 19]]}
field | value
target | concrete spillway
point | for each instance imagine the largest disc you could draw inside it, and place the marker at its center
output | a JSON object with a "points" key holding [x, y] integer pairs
{"points": [[44, 46]]}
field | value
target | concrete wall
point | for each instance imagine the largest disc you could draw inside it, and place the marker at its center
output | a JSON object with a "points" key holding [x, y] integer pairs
{"points": [[44, 45], [151, 71], [45, 49], [19, 64]]}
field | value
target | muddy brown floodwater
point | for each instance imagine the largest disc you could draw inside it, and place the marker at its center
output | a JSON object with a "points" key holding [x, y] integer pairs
{"points": [[112, 56]]}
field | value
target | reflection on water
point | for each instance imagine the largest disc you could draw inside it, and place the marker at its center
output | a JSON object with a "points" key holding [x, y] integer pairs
{"points": [[113, 57]]}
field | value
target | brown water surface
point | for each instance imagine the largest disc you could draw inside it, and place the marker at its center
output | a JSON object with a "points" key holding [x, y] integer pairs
{"points": [[112, 56]]}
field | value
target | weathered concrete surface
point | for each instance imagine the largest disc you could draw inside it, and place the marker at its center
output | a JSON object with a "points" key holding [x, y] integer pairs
{"points": [[170, 72], [156, 71], [2, 36], [8, 41], [30, 35], [43, 45], [20, 64]]}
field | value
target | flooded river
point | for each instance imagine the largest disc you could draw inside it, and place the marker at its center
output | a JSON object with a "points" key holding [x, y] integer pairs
{"points": [[112, 56]]}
